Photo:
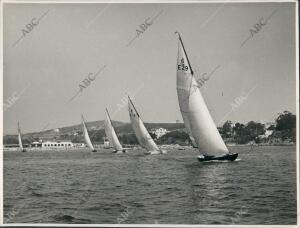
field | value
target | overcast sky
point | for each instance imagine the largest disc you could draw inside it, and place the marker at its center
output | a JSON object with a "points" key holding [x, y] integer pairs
{"points": [[71, 41]]}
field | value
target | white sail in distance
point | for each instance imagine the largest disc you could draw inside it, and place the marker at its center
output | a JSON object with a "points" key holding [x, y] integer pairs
{"points": [[20, 138], [111, 134], [196, 116], [142, 135], [86, 135]]}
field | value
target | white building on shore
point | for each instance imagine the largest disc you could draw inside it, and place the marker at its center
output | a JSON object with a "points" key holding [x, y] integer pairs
{"points": [[79, 145], [57, 145], [159, 131]]}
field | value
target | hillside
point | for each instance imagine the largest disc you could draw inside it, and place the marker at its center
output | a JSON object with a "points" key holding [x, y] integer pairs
{"points": [[282, 131], [95, 128]]}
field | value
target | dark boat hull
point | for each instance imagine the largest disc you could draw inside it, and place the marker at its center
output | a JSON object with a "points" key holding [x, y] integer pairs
{"points": [[226, 157], [119, 151]]}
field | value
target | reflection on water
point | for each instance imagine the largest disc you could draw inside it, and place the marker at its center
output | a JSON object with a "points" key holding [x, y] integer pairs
{"points": [[84, 187]]}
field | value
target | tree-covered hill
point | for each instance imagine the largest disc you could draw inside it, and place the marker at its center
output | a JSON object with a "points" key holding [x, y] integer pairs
{"points": [[282, 130]]}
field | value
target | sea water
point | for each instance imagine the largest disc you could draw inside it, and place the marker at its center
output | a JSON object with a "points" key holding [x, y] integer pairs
{"points": [[105, 188]]}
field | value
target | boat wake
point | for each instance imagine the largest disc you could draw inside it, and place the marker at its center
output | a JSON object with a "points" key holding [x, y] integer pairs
{"points": [[155, 152], [221, 161]]}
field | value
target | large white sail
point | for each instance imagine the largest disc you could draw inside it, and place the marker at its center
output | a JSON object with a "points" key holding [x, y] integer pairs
{"points": [[20, 138], [183, 95], [196, 116], [111, 134], [86, 135], [140, 130]]}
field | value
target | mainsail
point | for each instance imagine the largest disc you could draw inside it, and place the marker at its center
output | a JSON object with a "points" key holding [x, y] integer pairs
{"points": [[111, 134], [86, 135], [140, 130], [20, 139], [195, 114]]}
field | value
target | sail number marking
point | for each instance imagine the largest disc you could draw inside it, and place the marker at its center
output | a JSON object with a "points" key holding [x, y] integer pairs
{"points": [[182, 66]]}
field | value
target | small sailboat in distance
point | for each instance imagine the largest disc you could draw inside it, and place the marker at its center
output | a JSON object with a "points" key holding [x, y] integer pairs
{"points": [[111, 135], [196, 116], [142, 135], [86, 135], [20, 139]]}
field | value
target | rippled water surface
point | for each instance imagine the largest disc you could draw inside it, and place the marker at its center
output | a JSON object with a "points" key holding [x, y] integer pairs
{"points": [[84, 187]]}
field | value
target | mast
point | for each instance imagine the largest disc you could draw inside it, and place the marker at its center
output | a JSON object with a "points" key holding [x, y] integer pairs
{"points": [[109, 117], [83, 122], [192, 72], [133, 106], [19, 131]]}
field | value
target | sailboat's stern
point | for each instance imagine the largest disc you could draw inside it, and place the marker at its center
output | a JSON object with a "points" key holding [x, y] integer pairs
{"points": [[225, 157]]}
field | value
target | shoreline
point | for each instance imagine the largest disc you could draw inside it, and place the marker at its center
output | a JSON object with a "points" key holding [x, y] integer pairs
{"points": [[162, 146]]}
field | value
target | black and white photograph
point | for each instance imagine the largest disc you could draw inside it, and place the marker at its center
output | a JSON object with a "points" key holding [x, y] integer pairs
{"points": [[150, 113]]}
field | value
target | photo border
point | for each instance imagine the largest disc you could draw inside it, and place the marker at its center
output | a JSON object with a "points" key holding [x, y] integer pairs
{"points": [[145, 2]]}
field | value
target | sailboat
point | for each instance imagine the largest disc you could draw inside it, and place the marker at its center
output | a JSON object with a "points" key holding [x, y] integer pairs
{"points": [[112, 136], [142, 135], [20, 139], [197, 119], [86, 135]]}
